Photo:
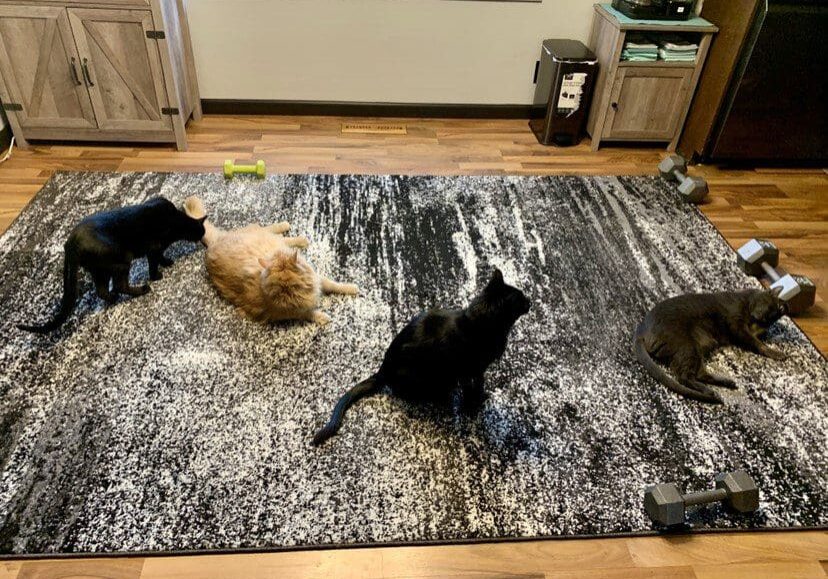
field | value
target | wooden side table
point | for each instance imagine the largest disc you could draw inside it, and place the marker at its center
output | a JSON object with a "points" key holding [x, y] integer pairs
{"points": [[642, 101]]}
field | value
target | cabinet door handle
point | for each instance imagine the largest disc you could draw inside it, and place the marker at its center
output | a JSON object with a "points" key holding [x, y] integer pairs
{"points": [[615, 106], [86, 75], [74, 70]]}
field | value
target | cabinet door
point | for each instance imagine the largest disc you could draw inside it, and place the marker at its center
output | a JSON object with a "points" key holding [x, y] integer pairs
{"points": [[121, 67], [41, 68], [647, 103]]}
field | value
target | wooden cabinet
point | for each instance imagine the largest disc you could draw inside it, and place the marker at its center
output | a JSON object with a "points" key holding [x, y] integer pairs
{"points": [[641, 101], [119, 70], [127, 85], [41, 68], [646, 103]]}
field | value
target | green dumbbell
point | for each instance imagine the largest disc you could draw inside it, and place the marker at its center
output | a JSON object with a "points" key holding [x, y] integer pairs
{"points": [[230, 169]]}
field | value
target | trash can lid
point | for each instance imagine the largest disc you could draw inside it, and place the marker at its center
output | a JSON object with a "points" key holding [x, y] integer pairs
{"points": [[563, 50]]}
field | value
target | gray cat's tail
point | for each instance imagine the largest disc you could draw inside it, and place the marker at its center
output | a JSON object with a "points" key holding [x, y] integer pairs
{"points": [[367, 387], [661, 375], [70, 295]]}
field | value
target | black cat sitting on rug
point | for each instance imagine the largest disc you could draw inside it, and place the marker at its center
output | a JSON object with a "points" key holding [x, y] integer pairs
{"points": [[440, 350], [682, 331], [105, 244]]}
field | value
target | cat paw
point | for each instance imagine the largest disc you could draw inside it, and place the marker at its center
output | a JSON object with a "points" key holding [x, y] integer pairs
{"points": [[775, 354], [142, 290], [472, 405], [281, 227], [720, 380], [704, 393], [300, 242], [350, 289], [109, 298], [321, 318]]}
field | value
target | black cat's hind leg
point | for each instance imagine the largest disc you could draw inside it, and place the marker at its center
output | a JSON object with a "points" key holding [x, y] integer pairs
{"points": [[120, 277], [156, 259], [709, 377], [101, 278], [163, 260], [473, 394]]}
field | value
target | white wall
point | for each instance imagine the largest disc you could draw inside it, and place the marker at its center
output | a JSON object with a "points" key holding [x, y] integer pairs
{"points": [[422, 51]]}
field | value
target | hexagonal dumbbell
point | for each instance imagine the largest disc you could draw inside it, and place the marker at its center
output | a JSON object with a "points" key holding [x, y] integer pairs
{"points": [[666, 505], [674, 168], [231, 169], [760, 256]]}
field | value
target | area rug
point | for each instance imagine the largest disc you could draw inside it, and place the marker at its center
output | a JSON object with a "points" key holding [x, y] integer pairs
{"points": [[169, 423]]}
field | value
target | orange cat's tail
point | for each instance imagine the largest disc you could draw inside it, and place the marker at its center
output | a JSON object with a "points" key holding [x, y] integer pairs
{"points": [[194, 207]]}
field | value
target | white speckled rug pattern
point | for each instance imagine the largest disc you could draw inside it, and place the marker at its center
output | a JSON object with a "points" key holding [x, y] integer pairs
{"points": [[167, 422]]}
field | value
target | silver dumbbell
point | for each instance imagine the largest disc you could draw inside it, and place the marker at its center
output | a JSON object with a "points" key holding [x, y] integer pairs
{"points": [[674, 168], [666, 505], [760, 256]]}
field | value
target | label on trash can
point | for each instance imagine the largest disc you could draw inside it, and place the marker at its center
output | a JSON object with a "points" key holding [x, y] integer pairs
{"points": [[572, 87]]}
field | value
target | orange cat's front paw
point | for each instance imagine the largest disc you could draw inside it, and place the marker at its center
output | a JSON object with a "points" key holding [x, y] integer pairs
{"points": [[350, 289], [280, 227], [321, 318]]}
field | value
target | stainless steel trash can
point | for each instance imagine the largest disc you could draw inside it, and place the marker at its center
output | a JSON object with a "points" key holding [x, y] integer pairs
{"points": [[565, 79]]}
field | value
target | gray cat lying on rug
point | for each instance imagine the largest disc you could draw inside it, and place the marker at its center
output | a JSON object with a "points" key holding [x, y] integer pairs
{"points": [[107, 242], [683, 330]]}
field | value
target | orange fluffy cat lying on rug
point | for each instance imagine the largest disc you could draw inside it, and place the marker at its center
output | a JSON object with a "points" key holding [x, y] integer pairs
{"points": [[260, 271]]}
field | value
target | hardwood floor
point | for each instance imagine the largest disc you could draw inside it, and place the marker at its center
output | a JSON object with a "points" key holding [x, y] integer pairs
{"points": [[788, 206], [784, 555]]}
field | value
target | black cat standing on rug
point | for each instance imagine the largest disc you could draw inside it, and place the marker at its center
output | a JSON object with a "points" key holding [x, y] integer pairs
{"points": [[440, 350], [683, 330], [105, 244]]}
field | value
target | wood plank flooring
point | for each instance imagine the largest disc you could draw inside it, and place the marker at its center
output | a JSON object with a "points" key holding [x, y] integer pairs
{"points": [[789, 206]]}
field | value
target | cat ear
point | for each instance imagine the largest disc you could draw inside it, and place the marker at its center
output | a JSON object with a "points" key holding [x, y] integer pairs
{"points": [[264, 263], [497, 277], [776, 291], [294, 257], [202, 219]]}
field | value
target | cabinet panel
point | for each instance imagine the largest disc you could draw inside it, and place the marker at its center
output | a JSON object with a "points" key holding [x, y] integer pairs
{"points": [[41, 68], [121, 67], [647, 103]]}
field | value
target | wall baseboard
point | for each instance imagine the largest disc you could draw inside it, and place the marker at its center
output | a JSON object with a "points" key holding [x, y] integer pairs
{"points": [[362, 109]]}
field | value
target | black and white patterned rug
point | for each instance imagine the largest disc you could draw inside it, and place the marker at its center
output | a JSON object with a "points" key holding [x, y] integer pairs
{"points": [[167, 422]]}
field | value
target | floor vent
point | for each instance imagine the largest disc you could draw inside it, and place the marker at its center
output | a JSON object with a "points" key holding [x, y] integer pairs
{"points": [[374, 129]]}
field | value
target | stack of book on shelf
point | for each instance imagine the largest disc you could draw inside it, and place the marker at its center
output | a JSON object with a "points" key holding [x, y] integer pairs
{"points": [[639, 48], [676, 49]]}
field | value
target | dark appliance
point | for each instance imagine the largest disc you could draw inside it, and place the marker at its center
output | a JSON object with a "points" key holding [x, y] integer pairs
{"points": [[776, 108], [656, 9], [565, 77]]}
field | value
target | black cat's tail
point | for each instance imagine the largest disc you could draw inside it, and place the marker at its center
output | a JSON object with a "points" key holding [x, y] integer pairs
{"points": [[367, 387], [70, 295], [661, 375]]}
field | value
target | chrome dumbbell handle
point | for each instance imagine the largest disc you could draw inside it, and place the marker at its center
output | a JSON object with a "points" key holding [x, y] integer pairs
{"points": [[770, 271]]}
